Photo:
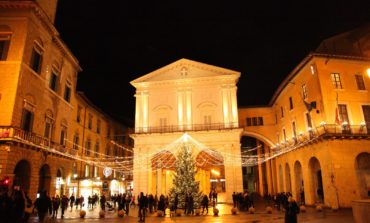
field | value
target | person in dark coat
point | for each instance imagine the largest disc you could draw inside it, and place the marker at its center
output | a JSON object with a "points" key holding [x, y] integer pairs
{"points": [[191, 205], [102, 202], [291, 211], [6, 206], [19, 205], [175, 203], [64, 204], [162, 204], [205, 203], [72, 200], [43, 205], [143, 203]]}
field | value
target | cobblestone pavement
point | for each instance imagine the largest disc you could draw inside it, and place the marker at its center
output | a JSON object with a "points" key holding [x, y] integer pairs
{"points": [[311, 216]]}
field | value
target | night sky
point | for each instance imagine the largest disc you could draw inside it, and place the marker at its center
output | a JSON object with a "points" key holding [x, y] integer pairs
{"points": [[118, 41]]}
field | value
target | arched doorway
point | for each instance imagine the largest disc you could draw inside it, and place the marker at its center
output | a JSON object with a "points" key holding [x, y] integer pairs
{"points": [[59, 184], [299, 186], [281, 180], [362, 166], [22, 175], [163, 164], [44, 178], [211, 172], [317, 190], [288, 182]]}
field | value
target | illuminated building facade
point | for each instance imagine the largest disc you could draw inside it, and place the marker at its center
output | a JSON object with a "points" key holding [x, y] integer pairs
{"points": [[192, 97], [319, 120], [39, 128]]}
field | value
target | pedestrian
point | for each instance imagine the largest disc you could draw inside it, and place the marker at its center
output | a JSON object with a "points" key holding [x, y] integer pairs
{"points": [[102, 202], [72, 200], [291, 211], [234, 199], [56, 204], [64, 204], [175, 203], [205, 203], [29, 208], [19, 205], [6, 205], [42, 205], [191, 205], [143, 203], [128, 200]]}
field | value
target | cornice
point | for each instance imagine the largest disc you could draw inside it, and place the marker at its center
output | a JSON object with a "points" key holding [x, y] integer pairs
{"points": [[46, 23]]}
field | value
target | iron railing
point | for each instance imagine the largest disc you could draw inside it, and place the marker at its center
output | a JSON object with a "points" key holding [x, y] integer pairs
{"points": [[9, 133], [184, 128]]}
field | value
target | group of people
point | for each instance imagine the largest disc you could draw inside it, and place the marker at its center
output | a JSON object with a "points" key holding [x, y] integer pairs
{"points": [[123, 202], [14, 208], [242, 201]]}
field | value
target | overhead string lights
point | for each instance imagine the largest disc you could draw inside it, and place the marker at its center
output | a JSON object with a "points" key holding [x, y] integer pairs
{"points": [[203, 155]]}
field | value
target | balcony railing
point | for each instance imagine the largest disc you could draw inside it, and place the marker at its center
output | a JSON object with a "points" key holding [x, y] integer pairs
{"points": [[184, 128], [328, 131], [9, 133]]}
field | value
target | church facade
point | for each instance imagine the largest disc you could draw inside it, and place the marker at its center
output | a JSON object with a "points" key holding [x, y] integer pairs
{"points": [[196, 99]]}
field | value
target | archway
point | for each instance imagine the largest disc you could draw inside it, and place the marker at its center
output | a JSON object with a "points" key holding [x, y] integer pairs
{"points": [[281, 180], [362, 166], [317, 190], [163, 164], [211, 172], [22, 175], [44, 178], [288, 182], [299, 186], [59, 184]]}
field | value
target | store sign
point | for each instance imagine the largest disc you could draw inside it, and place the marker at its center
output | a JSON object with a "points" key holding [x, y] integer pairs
{"points": [[107, 171], [105, 186]]}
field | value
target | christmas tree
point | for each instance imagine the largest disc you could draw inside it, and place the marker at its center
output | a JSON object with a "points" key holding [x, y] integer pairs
{"points": [[184, 179]]}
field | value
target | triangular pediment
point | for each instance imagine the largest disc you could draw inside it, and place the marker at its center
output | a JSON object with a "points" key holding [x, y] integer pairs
{"points": [[185, 69]]}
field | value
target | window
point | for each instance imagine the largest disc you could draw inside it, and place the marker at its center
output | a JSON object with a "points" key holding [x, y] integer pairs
{"points": [[335, 78], [63, 136], [4, 46], [67, 93], [97, 145], [309, 121], [294, 131], [115, 151], [107, 151], [76, 141], [36, 58], [304, 91], [284, 134], [95, 171], [98, 126], [89, 124], [48, 127], [27, 120], [53, 81], [282, 111], [87, 170], [290, 103], [79, 109], [343, 114], [88, 147], [360, 82], [254, 121]]}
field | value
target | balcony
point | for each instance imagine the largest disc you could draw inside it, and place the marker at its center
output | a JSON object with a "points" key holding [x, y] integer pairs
{"points": [[327, 131], [185, 128], [9, 133]]}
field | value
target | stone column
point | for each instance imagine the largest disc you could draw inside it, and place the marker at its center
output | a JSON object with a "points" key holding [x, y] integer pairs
{"points": [[225, 105], [234, 107], [260, 174], [233, 174], [145, 109], [138, 111], [180, 108], [188, 109]]}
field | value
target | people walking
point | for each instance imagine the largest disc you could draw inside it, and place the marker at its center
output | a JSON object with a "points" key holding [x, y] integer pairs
{"points": [[64, 204], [205, 203], [43, 205], [143, 203], [72, 200], [56, 204], [291, 210]]}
